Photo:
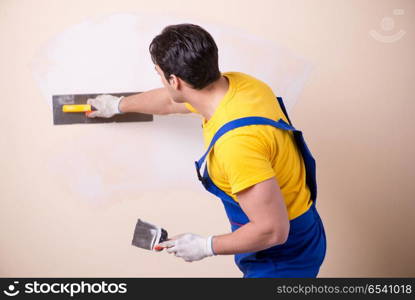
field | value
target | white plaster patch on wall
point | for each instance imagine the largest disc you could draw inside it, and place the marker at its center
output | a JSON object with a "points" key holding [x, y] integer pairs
{"points": [[110, 54], [283, 71], [107, 55]]}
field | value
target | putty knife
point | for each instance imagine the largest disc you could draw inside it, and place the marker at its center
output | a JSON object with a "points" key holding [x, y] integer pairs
{"points": [[147, 235]]}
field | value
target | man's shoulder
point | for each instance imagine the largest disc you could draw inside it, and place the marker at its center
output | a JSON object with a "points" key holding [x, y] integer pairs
{"points": [[247, 136], [244, 82], [239, 75]]}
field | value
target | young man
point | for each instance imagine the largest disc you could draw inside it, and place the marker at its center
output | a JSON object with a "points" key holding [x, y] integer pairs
{"points": [[256, 162]]}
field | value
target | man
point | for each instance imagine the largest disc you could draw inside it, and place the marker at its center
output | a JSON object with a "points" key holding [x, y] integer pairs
{"points": [[257, 163]]}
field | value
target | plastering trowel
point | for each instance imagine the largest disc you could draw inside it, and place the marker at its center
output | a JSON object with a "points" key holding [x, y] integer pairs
{"points": [[147, 235], [73, 109]]}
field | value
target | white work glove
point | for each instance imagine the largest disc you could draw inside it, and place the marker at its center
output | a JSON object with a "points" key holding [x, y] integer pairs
{"points": [[189, 246], [107, 106]]}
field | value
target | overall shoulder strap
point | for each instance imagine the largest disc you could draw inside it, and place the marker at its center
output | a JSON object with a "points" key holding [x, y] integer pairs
{"points": [[241, 122], [283, 109]]}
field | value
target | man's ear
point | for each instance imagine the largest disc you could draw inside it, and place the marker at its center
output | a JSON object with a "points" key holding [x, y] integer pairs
{"points": [[174, 82]]}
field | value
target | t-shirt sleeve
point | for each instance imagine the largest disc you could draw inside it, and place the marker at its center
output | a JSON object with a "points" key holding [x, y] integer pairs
{"points": [[245, 160], [190, 107]]}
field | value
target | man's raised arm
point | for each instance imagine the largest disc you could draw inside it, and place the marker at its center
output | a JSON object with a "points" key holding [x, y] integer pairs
{"points": [[155, 102]]}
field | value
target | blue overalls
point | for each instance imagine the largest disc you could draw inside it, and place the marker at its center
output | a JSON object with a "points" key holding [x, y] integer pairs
{"points": [[304, 251]]}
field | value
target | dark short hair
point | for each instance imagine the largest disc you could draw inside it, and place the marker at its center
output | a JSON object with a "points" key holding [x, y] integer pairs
{"points": [[187, 51]]}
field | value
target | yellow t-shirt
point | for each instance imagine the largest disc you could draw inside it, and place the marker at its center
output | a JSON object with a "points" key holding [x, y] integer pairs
{"points": [[249, 155]]}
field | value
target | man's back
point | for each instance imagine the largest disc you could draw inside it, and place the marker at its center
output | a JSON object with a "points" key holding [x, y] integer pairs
{"points": [[248, 155]]}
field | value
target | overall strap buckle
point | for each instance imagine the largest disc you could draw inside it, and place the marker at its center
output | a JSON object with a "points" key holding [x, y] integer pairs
{"points": [[199, 176]]}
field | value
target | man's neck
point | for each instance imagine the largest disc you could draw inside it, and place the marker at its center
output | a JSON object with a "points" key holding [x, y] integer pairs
{"points": [[206, 101]]}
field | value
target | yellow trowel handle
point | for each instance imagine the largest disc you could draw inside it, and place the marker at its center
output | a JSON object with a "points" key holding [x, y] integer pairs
{"points": [[76, 108]]}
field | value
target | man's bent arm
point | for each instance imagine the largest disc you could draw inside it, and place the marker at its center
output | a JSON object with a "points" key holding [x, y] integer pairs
{"points": [[155, 102], [268, 221]]}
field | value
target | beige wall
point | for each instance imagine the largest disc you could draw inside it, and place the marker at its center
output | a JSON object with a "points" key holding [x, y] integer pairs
{"points": [[356, 112]]}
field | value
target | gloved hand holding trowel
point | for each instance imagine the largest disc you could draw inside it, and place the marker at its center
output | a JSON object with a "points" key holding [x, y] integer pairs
{"points": [[106, 106]]}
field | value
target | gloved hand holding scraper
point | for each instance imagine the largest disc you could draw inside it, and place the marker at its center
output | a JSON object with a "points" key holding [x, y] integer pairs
{"points": [[189, 246]]}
